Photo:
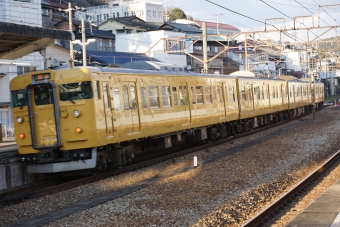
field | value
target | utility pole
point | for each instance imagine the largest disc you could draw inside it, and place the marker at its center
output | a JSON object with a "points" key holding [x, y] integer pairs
{"points": [[312, 78], [83, 41], [205, 48], [217, 19], [70, 27]]}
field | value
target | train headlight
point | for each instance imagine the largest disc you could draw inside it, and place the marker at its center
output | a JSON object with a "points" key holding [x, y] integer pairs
{"points": [[20, 119], [76, 113]]}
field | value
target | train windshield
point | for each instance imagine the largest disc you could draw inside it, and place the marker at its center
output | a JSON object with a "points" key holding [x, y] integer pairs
{"points": [[75, 91], [18, 98]]}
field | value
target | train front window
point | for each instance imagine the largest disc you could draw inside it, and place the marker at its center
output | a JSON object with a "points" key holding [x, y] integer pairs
{"points": [[43, 95], [18, 98], [75, 91]]}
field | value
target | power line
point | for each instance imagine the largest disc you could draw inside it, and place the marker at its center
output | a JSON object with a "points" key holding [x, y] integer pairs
{"points": [[325, 11]]}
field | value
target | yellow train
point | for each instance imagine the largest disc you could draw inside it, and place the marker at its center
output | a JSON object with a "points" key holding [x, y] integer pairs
{"points": [[97, 118]]}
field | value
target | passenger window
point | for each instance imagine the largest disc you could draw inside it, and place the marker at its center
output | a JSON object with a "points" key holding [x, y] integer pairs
{"points": [[243, 92], [250, 91], [144, 100], [290, 92], [257, 92], [262, 92], [183, 95], [174, 93], [231, 94], [219, 94], [133, 97], [166, 96], [116, 99], [193, 97], [126, 97], [199, 94], [98, 89], [106, 96], [153, 96], [208, 94]]}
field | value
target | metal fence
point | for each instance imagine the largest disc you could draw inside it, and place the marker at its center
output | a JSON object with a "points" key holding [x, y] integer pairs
{"points": [[7, 130]]}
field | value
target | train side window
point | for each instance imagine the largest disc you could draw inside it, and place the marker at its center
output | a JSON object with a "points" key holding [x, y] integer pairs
{"points": [[250, 91], [126, 97], [207, 91], [98, 89], [144, 99], [231, 94], [183, 95], [219, 94], [257, 92], [193, 96], [166, 96], [199, 94], [290, 92], [153, 96], [133, 97], [106, 96], [274, 95], [243, 92], [174, 93], [261, 92], [116, 99]]}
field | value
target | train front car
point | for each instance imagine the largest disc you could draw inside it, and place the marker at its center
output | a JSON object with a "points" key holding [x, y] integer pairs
{"points": [[53, 114]]}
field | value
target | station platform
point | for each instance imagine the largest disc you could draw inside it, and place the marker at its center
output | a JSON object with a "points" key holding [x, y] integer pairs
{"points": [[323, 212], [8, 144]]}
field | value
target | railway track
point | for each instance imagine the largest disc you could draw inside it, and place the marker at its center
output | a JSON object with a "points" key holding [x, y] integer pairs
{"points": [[269, 215], [53, 186]]}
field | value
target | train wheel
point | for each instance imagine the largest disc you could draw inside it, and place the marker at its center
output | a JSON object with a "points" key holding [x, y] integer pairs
{"points": [[238, 128]]}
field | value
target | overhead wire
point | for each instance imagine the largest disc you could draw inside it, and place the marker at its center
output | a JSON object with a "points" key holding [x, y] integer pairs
{"points": [[325, 11]]}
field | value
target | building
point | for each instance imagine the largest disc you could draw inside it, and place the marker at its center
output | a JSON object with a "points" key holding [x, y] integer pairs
{"points": [[147, 10], [152, 43], [23, 12], [127, 25]]}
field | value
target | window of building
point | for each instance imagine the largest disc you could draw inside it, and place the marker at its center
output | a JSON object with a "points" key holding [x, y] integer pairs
{"points": [[117, 14], [144, 99], [160, 14], [25, 69], [199, 94], [148, 13], [166, 96], [153, 96], [45, 12], [154, 13], [113, 15], [116, 99]]}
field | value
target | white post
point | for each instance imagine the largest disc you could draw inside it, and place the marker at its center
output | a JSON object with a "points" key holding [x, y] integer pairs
{"points": [[195, 161], [70, 27], [83, 41]]}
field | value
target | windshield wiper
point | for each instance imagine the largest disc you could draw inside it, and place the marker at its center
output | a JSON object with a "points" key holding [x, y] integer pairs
{"points": [[72, 100]]}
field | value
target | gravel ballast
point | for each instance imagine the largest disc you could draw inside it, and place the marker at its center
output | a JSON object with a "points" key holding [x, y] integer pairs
{"points": [[224, 192]]}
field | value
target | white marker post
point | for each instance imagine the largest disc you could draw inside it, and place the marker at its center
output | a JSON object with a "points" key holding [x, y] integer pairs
{"points": [[195, 161]]}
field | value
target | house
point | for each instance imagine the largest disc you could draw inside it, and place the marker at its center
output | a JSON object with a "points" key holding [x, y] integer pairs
{"points": [[147, 10], [52, 12], [212, 27], [127, 25]]}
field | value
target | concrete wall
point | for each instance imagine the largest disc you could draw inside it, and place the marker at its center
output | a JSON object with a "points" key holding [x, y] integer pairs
{"points": [[13, 174]]}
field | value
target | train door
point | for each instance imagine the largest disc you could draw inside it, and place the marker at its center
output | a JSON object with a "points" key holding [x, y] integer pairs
{"points": [[44, 115], [107, 109], [130, 105], [283, 96], [184, 103]]}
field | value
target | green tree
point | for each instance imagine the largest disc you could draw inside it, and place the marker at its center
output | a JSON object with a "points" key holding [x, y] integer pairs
{"points": [[177, 13]]}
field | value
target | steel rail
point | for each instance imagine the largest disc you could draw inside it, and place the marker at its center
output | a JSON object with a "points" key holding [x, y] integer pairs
{"points": [[280, 202]]}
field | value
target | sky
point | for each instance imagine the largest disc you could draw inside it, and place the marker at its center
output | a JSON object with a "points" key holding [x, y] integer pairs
{"points": [[258, 11]]}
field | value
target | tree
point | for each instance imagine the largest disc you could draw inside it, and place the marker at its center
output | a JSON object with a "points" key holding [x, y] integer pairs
{"points": [[177, 13]]}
